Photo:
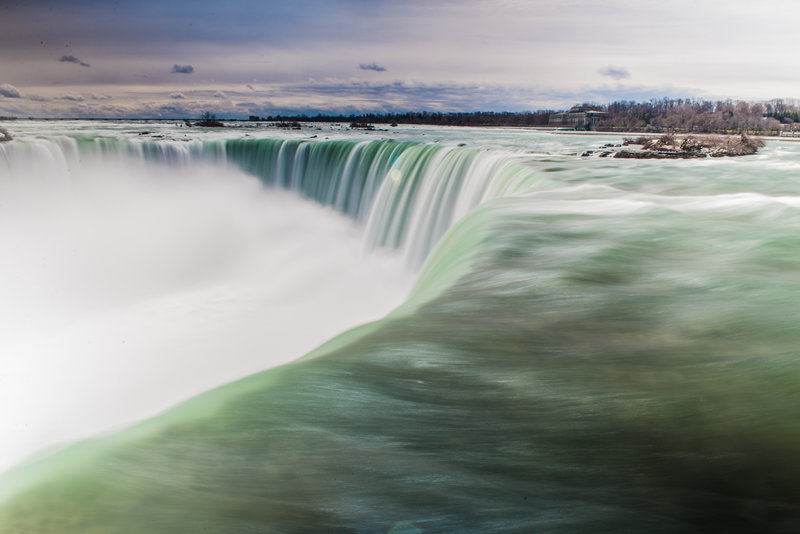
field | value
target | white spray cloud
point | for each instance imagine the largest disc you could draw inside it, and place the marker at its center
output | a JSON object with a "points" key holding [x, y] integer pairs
{"points": [[161, 282]]}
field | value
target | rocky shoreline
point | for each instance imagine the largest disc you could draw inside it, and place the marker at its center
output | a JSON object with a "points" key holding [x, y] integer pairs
{"points": [[670, 146]]}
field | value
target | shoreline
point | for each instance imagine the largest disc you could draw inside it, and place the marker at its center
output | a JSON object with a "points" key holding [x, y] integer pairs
{"points": [[239, 123], [657, 135]]}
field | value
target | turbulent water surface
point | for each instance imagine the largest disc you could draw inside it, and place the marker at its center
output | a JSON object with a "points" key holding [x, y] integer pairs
{"points": [[577, 344]]}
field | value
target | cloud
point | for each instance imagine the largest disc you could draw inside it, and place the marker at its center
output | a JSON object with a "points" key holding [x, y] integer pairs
{"points": [[73, 97], [172, 111], [337, 96], [73, 59], [182, 69], [371, 66], [618, 73], [219, 94], [177, 95], [250, 87], [97, 96], [9, 91]]}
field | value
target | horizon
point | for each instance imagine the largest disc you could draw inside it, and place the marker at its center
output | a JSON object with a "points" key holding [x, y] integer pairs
{"points": [[91, 59], [789, 103]]}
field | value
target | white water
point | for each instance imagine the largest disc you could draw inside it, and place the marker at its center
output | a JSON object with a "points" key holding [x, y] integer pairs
{"points": [[126, 287]]}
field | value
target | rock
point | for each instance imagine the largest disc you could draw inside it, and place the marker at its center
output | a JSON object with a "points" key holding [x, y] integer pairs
{"points": [[651, 154], [671, 147]]}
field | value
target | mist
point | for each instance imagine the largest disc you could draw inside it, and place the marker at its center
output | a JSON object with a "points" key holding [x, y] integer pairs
{"points": [[130, 286]]}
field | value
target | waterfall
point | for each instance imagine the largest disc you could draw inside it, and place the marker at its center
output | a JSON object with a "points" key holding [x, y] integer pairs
{"points": [[405, 195]]}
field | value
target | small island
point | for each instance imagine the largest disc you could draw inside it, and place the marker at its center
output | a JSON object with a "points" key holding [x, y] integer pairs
{"points": [[209, 120], [670, 146]]}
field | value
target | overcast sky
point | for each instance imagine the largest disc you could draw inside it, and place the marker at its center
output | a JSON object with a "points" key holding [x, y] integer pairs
{"points": [[262, 57]]}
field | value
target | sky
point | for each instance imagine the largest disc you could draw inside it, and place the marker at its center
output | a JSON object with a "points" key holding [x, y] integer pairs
{"points": [[180, 58]]}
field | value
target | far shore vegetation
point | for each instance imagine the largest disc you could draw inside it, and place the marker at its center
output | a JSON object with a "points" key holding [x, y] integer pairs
{"points": [[655, 116], [680, 116]]}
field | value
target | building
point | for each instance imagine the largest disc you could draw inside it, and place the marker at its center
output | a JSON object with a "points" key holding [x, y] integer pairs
{"points": [[583, 117]]}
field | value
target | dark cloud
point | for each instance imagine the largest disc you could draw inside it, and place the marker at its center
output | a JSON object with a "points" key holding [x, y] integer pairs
{"points": [[155, 25], [332, 98], [182, 69], [250, 87], [73, 59], [631, 93], [172, 111], [9, 91], [618, 73], [363, 97], [372, 66]]}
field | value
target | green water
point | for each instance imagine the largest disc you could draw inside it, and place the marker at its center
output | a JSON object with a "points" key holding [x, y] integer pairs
{"points": [[601, 347]]}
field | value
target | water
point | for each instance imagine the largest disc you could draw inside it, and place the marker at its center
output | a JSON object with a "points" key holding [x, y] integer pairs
{"points": [[589, 345], [130, 285]]}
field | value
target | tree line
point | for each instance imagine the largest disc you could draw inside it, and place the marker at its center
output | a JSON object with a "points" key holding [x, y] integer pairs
{"points": [[665, 115], [477, 118], [704, 116]]}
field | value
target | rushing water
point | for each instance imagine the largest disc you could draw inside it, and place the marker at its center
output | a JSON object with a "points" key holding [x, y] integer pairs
{"points": [[589, 345]]}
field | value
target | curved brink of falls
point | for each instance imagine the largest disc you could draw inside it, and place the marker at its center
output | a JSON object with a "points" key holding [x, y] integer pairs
{"points": [[407, 194]]}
